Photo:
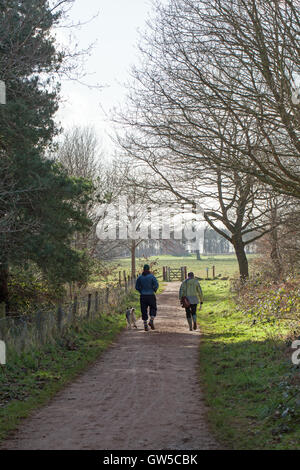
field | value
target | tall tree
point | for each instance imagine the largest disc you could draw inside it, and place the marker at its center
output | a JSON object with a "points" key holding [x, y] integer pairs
{"points": [[210, 62], [127, 212], [234, 205], [41, 204], [214, 95], [80, 155]]}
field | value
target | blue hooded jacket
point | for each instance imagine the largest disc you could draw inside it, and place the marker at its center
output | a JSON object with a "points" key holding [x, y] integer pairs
{"points": [[146, 284]]}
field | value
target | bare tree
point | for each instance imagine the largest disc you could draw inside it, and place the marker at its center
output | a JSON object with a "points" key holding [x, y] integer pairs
{"points": [[211, 108], [130, 204], [221, 75], [280, 247], [242, 212], [80, 153], [234, 205]]}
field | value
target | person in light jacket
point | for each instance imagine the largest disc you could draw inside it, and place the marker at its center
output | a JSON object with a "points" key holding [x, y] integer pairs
{"points": [[147, 285], [191, 289]]}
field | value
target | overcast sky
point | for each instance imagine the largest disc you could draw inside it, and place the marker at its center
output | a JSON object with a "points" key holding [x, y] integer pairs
{"points": [[115, 30]]}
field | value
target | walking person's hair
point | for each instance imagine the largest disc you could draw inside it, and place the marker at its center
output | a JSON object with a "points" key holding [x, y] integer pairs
{"points": [[146, 269]]}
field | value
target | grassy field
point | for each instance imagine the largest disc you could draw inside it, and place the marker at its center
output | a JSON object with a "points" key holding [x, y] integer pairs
{"points": [[225, 265]]}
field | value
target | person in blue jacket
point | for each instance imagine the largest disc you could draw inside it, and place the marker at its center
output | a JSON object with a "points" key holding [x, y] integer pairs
{"points": [[147, 285]]}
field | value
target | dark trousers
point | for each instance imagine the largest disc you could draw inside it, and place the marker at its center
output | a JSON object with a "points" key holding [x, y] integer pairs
{"points": [[148, 301], [191, 310]]}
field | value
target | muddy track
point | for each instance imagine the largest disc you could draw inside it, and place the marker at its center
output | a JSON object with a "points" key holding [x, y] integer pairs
{"points": [[143, 393]]}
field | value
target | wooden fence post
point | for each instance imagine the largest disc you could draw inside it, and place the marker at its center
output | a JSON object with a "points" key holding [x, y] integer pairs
{"points": [[40, 326], [96, 303], [2, 310], [107, 295], [60, 316], [120, 278], [74, 308], [24, 337], [89, 306], [3, 323], [207, 273], [214, 272]]}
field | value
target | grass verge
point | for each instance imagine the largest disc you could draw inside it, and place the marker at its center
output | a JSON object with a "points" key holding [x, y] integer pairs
{"points": [[250, 384]]}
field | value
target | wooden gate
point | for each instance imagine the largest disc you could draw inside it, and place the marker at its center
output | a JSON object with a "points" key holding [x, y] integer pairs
{"points": [[174, 274]]}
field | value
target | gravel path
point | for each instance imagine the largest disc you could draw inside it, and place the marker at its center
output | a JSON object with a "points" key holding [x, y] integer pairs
{"points": [[143, 393]]}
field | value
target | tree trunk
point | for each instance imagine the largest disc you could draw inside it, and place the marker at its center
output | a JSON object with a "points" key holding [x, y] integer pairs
{"points": [[133, 268], [275, 251], [198, 255], [275, 254], [4, 285], [240, 252]]}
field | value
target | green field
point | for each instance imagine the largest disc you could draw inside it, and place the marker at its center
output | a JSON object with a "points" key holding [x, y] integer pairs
{"points": [[225, 265]]}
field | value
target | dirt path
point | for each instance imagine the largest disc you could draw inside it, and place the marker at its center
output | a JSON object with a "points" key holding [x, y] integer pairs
{"points": [[143, 393]]}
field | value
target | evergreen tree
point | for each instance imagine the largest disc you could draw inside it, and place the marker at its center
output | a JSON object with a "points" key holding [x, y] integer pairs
{"points": [[41, 206]]}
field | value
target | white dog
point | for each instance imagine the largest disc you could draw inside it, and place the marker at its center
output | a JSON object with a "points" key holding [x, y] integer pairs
{"points": [[130, 317]]}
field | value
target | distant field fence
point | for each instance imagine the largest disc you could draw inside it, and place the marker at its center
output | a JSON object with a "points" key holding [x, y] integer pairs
{"points": [[22, 333]]}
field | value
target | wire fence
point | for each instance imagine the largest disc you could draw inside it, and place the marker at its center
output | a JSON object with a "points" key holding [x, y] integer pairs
{"points": [[22, 333]]}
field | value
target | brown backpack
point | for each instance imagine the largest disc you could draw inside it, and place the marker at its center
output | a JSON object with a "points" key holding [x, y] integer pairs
{"points": [[185, 303]]}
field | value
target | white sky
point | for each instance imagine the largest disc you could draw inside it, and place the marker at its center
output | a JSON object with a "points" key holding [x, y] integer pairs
{"points": [[115, 30]]}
